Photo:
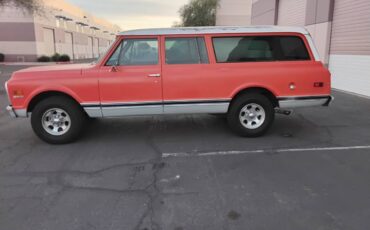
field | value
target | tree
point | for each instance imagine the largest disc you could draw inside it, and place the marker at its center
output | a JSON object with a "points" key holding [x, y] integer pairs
{"points": [[198, 13], [28, 5]]}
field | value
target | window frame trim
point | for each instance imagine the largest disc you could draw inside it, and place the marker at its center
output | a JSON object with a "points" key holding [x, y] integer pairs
{"points": [[119, 42], [303, 40]]}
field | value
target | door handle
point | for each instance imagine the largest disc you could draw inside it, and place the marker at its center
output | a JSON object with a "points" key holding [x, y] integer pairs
{"points": [[154, 75]]}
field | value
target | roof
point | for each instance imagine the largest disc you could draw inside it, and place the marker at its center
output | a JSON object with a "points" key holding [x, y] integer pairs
{"points": [[214, 30]]}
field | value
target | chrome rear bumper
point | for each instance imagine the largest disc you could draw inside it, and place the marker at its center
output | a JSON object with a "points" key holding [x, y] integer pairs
{"points": [[298, 102]]}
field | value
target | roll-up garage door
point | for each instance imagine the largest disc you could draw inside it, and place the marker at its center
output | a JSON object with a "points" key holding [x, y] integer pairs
{"points": [[96, 47], [49, 41], [292, 12], [90, 47], [349, 59], [69, 44]]}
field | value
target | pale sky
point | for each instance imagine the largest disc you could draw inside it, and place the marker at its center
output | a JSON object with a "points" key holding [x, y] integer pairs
{"points": [[133, 14]]}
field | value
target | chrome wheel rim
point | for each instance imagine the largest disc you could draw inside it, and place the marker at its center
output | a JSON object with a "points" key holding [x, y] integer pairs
{"points": [[56, 121], [252, 116]]}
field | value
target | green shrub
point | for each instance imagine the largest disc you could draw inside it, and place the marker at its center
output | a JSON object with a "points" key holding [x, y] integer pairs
{"points": [[2, 57], [55, 57], [44, 59], [64, 58]]}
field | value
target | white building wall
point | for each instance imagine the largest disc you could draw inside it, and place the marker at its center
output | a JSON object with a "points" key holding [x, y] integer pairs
{"points": [[321, 35], [351, 73], [292, 12], [349, 59], [234, 13]]}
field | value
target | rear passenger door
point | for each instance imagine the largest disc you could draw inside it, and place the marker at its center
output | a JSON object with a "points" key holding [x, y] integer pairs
{"points": [[189, 85]]}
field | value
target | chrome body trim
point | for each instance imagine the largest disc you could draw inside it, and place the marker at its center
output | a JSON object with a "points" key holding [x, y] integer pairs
{"points": [[196, 108], [90, 104], [21, 113], [131, 104], [93, 112], [220, 100], [118, 111], [190, 106], [156, 108]]}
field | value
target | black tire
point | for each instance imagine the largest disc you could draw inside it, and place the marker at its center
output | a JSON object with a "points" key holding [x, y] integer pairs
{"points": [[76, 115], [241, 102]]}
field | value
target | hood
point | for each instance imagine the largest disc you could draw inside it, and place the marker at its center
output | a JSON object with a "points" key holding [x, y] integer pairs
{"points": [[51, 71], [60, 67]]}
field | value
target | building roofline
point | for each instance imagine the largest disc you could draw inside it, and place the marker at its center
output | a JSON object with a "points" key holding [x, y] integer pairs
{"points": [[214, 30]]}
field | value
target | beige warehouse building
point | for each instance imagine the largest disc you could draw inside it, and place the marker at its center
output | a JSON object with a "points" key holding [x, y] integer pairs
{"points": [[234, 12], [340, 28], [59, 28]]}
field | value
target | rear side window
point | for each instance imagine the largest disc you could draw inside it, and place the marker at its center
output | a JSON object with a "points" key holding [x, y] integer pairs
{"points": [[293, 48], [259, 49], [186, 51]]}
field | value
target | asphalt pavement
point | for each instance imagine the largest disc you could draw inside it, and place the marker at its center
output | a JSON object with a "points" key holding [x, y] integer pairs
{"points": [[310, 172]]}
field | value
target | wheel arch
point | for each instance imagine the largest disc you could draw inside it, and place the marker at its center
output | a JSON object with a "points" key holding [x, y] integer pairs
{"points": [[46, 94], [257, 89]]}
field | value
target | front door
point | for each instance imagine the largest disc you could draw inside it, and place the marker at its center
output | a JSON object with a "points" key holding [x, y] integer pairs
{"points": [[130, 81]]}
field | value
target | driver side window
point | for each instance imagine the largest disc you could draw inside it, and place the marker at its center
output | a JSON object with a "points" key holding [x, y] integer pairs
{"points": [[133, 52]]}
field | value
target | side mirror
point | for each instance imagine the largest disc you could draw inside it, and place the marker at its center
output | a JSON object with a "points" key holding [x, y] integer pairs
{"points": [[113, 69]]}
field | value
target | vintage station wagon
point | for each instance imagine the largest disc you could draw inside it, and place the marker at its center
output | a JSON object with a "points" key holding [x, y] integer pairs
{"points": [[246, 73]]}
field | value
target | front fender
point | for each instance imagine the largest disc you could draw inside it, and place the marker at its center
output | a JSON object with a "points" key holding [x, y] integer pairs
{"points": [[46, 89]]}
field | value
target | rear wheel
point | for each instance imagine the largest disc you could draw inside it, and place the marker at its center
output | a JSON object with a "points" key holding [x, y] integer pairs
{"points": [[251, 115], [58, 120]]}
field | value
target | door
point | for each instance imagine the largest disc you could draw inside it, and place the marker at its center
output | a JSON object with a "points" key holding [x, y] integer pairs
{"points": [[189, 83], [130, 81], [69, 45]]}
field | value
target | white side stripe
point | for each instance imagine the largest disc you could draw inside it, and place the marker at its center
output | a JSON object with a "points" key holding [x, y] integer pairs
{"points": [[223, 153]]}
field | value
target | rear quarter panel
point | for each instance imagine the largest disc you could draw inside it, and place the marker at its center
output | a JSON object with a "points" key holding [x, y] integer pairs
{"points": [[225, 80], [275, 76]]}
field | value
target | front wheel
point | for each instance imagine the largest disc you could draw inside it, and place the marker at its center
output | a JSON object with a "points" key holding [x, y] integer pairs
{"points": [[251, 115], [58, 120]]}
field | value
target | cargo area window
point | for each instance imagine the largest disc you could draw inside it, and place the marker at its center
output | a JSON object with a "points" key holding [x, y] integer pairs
{"points": [[259, 49], [135, 52], [186, 51]]}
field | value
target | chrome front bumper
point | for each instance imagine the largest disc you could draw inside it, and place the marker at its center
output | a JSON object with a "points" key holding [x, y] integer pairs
{"points": [[11, 111], [16, 112]]}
